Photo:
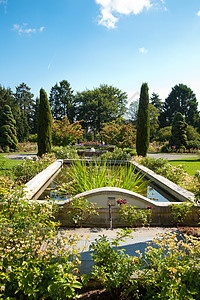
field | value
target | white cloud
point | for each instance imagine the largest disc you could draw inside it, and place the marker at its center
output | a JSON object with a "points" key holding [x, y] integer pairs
{"points": [[125, 7], [4, 2], [143, 50], [198, 14], [22, 29]]}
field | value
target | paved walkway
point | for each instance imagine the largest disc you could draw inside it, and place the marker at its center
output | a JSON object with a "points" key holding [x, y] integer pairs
{"points": [[139, 241], [171, 156], [153, 155]]}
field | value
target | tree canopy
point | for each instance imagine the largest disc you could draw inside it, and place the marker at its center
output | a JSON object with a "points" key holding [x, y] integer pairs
{"points": [[61, 101], [183, 100], [100, 105], [8, 135]]}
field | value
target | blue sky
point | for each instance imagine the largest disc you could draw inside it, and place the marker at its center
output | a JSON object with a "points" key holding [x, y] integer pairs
{"points": [[91, 42]]}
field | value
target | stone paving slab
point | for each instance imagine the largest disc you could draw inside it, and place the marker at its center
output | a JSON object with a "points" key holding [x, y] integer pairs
{"points": [[139, 241]]}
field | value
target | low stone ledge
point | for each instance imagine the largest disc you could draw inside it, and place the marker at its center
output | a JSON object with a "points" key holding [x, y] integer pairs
{"points": [[42, 180], [173, 189]]}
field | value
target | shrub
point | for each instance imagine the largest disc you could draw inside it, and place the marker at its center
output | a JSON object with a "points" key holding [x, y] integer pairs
{"points": [[180, 211], [113, 268], [170, 268], [36, 262], [33, 138], [65, 152], [24, 172], [117, 154], [79, 210], [135, 217], [64, 133], [130, 151]]}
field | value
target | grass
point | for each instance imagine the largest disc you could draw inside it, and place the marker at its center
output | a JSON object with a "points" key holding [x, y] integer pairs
{"points": [[190, 164], [6, 164]]}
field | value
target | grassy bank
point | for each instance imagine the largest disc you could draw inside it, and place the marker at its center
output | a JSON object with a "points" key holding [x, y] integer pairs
{"points": [[6, 164], [190, 164]]}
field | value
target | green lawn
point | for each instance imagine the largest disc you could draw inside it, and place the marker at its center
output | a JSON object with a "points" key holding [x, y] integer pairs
{"points": [[190, 164], [6, 164]]}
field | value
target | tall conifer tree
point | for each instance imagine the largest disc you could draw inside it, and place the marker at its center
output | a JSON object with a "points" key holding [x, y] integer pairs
{"points": [[143, 122], [8, 134], [44, 124]]}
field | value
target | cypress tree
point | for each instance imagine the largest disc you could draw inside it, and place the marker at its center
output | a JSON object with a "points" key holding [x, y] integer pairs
{"points": [[8, 134], [179, 131], [44, 124], [143, 122]]}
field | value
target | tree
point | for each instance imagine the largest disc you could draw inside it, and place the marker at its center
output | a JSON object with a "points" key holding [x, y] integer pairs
{"points": [[6, 98], [183, 100], [64, 133], [143, 122], [62, 101], [133, 111], [119, 134], [164, 134], [156, 102], [8, 135], [179, 126], [154, 125], [98, 106], [24, 98], [44, 124], [192, 134]]}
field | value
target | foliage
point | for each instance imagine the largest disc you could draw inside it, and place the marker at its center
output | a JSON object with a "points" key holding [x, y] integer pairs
{"points": [[61, 101], [174, 173], [79, 210], [65, 152], [98, 174], [33, 138], [130, 151], [24, 99], [170, 268], [27, 147], [24, 172], [180, 211], [119, 134], [178, 137], [36, 262], [183, 100], [117, 154], [64, 133], [154, 125], [192, 134], [135, 217], [162, 167], [8, 134], [112, 267], [143, 122], [133, 111], [44, 125], [98, 106], [156, 102], [164, 134]]}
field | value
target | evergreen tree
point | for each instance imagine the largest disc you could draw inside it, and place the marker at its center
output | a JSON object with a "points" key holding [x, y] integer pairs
{"points": [[24, 98], [157, 102], [61, 101], [44, 124], [143, 122], [8, 134], [179, 131], [183, 100]]}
